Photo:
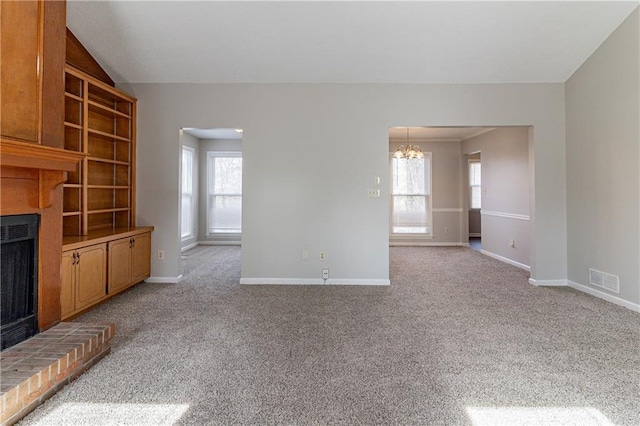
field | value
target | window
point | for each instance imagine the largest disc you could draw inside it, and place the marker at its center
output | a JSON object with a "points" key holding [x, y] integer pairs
{"points": [[411, 195], [475, 182], [224, 201], [186, 227]]}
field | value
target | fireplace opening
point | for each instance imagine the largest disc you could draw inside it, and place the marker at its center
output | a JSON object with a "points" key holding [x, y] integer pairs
{"points": [[19, 278]]}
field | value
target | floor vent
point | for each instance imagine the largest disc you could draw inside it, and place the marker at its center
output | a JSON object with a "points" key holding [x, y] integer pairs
{"points": [[603, 280]]}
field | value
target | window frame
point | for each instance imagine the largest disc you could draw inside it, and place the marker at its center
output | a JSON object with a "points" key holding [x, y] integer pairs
{"points": [[192, 151], [428, 158], [210, 181], [470, 162]]}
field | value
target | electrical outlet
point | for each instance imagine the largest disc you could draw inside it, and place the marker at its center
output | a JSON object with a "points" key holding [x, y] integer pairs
{"points": [[512, 243], [325, 274], [323, 256], [373, 193], [305, 255], [160, 254]]}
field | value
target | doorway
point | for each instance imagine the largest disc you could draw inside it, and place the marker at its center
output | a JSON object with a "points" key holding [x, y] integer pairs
{"points": [[474, 167], [210, 187]]}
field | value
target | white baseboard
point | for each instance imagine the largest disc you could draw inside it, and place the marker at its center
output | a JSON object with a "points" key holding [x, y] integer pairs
{"points": [[425, 244], [312, 281], [189, 247], [506, 260], [164, 280], [220, 243], [602, 295], [548, 283]]}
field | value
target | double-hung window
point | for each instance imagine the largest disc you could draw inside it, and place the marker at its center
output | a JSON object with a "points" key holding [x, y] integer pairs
{"points": [[411, 195], [188, 210], [475, 182], [224, 187]]}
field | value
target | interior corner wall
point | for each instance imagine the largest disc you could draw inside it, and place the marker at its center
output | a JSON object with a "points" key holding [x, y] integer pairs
{"points": [[603, 167], [208, 145], [193, 142], [505, 212], [311, 151]]}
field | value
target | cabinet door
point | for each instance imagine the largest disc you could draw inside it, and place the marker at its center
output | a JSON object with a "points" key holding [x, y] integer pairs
{"points": [[91, 270], [19, 54], [67, 292], [141, 258], [119, 265]]}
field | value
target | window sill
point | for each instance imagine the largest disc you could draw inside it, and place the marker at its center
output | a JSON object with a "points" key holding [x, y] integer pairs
{"points": [[411, 236]]}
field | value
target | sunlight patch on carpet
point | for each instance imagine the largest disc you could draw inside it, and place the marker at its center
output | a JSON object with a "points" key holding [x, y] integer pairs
{"points": [[115, 414], [548, 416]]}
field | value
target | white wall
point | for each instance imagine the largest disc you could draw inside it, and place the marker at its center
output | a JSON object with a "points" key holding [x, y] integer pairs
{"points": [[603, 137], [311, 151], [207, 145], [193, 142], [505, 186]]}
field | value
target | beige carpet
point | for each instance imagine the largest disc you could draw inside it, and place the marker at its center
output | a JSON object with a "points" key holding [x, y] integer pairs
{"points": [[458, 339]]}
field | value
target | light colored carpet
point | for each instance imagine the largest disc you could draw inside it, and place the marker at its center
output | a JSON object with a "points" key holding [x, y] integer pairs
{"points": [[458, 338]]}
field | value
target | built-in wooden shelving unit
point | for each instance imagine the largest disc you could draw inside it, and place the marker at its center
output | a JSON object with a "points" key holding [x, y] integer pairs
{"points": [[99, 122]]}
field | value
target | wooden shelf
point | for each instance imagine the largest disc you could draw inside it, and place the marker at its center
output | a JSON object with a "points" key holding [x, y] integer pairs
{"points": [[72, 96], [73, 125], [105, 160], [108, 109], [121, 209], [99, 123], [109, 135], [105, 88], [108, 187], [64, 214]]}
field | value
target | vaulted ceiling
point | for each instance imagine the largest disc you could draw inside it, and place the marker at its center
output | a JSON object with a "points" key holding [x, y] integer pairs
{"points": [[343, 41]]}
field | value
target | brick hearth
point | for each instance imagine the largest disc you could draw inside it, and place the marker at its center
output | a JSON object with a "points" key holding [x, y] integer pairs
{"points": [[34, 370]]}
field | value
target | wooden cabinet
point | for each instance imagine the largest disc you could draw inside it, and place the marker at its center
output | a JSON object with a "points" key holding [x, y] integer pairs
{"points": [[101, 264], [84, 274], [20, 77], [129, 261], [99, 196], [141, 258], [99, 122], [32, 52]]}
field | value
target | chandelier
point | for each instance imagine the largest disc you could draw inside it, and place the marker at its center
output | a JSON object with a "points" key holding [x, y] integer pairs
{"points": [[408, 151]]}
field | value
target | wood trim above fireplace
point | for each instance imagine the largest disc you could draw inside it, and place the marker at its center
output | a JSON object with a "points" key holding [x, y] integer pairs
{"points": [[35, 162], [31, 178], [36, 156]]}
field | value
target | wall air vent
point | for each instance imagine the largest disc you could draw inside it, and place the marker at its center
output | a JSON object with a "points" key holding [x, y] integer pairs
{"points": [[603, 280]]}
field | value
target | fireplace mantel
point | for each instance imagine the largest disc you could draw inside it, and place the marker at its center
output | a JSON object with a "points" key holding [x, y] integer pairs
{"points": [[50, 164], [32, 177], [36, 156]]}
